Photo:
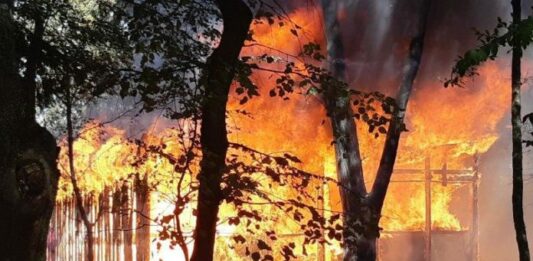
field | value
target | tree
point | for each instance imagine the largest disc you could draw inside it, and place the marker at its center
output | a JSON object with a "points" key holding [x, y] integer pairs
{"points": [[60, 45], [519, 35], [362, 209], [28, 152], [167, 75], [237, 18], [516, 121], [85, 56], [349, 165]]}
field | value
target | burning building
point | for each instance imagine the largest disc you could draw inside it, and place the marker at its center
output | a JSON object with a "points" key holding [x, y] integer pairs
{"points": [[133, 190]]}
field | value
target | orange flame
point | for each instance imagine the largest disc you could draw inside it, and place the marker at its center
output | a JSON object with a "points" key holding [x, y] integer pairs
{"points": [[437, 117]]}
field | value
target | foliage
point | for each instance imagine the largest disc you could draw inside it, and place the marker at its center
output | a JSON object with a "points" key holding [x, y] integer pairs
{"points": [[253, 183], [156, 51], [79, 47], [254, 180], [504, 35], [170, 44], [302, 74], [528, 117]]}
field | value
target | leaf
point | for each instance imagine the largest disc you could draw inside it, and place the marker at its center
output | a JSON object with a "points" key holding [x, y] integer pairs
{"points": [[239, 239], [294, 32], [234, 221], [312, 91], [166, 219], [272, 174], [262, 245], [266, 160], [292, 158], [281, 161], [256, 256], [268, 258]]}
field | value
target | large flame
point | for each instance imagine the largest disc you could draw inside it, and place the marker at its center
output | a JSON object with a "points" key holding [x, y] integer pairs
{"points": [[448, 125]]}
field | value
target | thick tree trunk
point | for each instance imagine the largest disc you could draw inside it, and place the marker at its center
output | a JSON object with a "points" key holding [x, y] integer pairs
{"points": [[28, 154], [362, 210], [516, 119], [214, 142], [349, 167]]}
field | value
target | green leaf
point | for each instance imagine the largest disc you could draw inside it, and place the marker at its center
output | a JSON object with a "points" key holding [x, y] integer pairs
{"points": [[294, 32]]}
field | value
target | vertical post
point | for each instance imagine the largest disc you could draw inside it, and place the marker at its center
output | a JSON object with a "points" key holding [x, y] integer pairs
{"points": [[61, 234], [116, 223], [445, 170], [475, 211], [72, 229], [107, 224], [127, 235], [98, 226], [428, 209]]}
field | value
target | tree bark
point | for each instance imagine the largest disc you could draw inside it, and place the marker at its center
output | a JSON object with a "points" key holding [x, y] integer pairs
{"points": [[516, 119], [237, 18], [362, 210], [392, 141], [28, 154], [347, 154]]}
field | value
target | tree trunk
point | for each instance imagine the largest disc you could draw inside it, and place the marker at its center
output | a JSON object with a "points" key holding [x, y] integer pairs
{"points": [[28, 154], [214, 142], [518, 183], [349, 167], [362, 210]]}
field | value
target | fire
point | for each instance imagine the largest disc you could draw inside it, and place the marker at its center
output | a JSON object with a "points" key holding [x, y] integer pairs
{"points": [[101, 157], [437, 117], [466, 117]]}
